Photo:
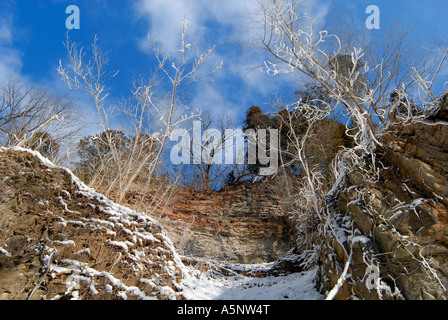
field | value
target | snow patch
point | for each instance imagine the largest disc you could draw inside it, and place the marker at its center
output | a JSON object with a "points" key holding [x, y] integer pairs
{"points": [[214, 286], [5, 253]]}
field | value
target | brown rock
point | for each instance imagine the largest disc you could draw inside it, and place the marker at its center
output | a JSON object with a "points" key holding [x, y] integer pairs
{"points": [[61, 240]]}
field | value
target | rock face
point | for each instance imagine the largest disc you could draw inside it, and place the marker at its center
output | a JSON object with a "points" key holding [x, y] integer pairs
{"points": [[61, 240], [402, 219], [247, 223]]}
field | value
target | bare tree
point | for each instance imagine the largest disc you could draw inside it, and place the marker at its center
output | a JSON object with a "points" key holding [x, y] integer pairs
{"points": [[31, 117], [154, 112], [211, 166]]}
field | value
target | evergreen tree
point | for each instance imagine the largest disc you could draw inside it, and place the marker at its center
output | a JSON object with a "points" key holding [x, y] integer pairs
{"points": [[256, 120], [95, 153]]}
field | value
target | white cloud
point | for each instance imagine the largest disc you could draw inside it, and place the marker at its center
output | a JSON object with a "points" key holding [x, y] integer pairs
{"points": [[228, 25], [5, 31], [165, 17], [209, 98], [10, 58], [166, 20]]}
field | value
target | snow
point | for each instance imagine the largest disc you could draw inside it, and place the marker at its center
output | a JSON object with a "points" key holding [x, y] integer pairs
{"points": [[215, 286], [65, 243], [65, 205], [362, 239], [86, 250], [121, 244], [6, 253]]}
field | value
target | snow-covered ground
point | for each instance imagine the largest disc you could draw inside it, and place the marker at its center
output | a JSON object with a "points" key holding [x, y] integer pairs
{"points": [[215, 286]]}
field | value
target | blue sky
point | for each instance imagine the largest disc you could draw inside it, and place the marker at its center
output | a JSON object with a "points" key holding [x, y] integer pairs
{"points": [[32, 34]]}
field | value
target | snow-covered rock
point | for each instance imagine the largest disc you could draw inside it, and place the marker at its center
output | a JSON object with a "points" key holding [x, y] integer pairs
{"points": [[59, 239], [399, 248]]}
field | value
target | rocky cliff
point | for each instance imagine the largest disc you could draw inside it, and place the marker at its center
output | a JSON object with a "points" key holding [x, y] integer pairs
{"points": [[400, 246], [247, 223], [61, 240]]}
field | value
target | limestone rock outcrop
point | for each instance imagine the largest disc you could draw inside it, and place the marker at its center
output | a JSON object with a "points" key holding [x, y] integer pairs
{"points": [[402, 248], [61, 240], [246, 223]]}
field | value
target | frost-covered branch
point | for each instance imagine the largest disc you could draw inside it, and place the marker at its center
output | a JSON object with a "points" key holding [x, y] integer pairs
{"points": [[356, 80], [153, 111]]}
